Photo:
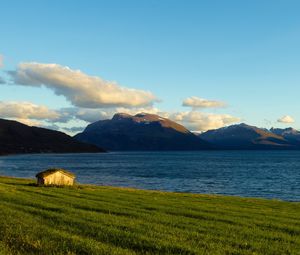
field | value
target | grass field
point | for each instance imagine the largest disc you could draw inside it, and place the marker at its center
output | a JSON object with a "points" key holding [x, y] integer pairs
{"points": [[106, 220]]}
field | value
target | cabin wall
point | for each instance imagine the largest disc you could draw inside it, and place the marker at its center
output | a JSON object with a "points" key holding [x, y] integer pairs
{"points": [[58, 179], [40, 181]]}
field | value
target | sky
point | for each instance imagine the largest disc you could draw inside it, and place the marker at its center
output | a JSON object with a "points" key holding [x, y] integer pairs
{"points": [[205, 64]]}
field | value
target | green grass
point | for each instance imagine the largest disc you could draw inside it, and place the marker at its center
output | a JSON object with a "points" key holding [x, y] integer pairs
{"points": [[105, 220]]}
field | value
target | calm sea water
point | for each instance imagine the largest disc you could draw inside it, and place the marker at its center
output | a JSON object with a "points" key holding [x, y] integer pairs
{"points": [[268, 174]]}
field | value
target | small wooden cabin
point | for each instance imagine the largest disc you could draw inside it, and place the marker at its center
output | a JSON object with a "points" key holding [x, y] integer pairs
{"points": [[55, 176]]}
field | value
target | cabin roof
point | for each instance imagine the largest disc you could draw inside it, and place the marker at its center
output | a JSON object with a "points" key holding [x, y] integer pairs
{"points": [[54, 170]]}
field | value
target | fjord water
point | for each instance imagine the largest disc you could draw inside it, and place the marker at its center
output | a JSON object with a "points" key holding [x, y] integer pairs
{"points": [[267, 174]]}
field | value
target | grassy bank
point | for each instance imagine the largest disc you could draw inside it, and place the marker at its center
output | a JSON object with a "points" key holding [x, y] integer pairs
{"points": [[105, 220]]}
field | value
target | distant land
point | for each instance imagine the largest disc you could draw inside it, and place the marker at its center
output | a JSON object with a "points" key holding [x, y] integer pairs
{"points": [[144, 131], [141, 132], [17, 138], [243, 136]]}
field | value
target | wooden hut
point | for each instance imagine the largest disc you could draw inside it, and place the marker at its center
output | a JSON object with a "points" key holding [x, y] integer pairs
{"points": [[55, 176]]}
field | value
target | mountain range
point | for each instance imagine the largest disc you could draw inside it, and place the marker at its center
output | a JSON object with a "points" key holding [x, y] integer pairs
{"points": [[141, 132], [152, 132], [289, 134], [16, 138], [243, 136]]}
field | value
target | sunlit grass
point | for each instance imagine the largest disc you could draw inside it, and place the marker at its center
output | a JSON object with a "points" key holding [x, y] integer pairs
{"points": [[106, 220]]}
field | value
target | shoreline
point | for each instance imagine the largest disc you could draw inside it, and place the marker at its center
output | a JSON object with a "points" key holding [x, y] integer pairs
{"points": [[80, 185]]}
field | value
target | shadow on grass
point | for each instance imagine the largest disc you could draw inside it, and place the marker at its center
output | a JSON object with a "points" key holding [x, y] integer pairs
{"points": [[20, 184]]}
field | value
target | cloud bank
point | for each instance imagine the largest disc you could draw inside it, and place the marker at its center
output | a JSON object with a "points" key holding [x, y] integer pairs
{"points": [[79, 88], [196, 102], [92, 115], [199, 121], [286, 119], [37, 115], [96, 99], [193, 120], [26, 110], [1, 61]]}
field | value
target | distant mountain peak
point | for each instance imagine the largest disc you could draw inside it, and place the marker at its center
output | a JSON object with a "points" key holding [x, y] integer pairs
{"points": [[244, 125], [119, 116], [290, 134], [142, 131], [232, 128], [289, 129], [142, 114], [244, 136], [138, 117]]}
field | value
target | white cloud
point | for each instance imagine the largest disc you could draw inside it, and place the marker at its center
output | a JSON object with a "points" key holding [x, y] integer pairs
{"points": [[286, 119], [92, 115], [36, 115], [96, 99], [73, 130], [29, 122], [69, 130], [199, 121], [150, 110], [25, 111], [79, 88], [87, 115], [196, 102]]}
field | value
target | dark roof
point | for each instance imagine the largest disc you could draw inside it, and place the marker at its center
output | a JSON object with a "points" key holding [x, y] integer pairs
{"points": [[53, 170]]}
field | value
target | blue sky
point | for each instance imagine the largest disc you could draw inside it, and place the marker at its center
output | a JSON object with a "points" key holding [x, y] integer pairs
{"points": [[243, 53]]}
